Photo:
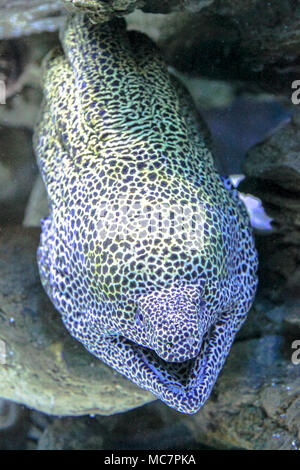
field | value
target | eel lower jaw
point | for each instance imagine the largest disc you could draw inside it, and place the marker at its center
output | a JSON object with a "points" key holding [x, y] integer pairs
{"points": [[177, 376]]}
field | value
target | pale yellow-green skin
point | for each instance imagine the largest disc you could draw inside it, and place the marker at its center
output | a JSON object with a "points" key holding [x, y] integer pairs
{"points": [[122, 153]]}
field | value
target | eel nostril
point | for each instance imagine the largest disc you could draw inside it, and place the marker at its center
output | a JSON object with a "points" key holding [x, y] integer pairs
{"points": [[190, 341]]}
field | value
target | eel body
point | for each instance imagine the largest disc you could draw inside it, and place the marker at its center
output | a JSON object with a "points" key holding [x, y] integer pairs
{"points": [[147, 253]]}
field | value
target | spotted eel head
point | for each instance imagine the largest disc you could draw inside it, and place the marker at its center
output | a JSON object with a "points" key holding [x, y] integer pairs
{"points": [[174, 320]]}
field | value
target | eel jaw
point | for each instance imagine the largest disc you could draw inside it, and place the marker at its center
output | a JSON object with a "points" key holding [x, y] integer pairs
{"points": [[184, 386]]}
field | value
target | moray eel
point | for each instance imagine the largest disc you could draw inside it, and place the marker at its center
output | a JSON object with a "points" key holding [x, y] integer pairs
{"points": [[147, 253]]}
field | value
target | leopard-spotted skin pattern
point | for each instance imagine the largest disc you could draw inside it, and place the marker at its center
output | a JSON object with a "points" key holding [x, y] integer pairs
{"points": [[147, 253]]}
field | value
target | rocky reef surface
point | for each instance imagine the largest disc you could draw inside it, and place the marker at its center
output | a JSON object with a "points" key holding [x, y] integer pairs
{"points": [[222, 50]]}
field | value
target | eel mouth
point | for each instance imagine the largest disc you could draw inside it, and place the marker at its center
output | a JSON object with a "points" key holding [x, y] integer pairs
{"points": [[184, 386], [178, 377], [175, 376]]}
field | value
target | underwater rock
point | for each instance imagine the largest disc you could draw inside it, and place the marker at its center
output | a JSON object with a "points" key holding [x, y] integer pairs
{"points": [[255, 404], [255, 41], [24, 17], [273, 175], [101, 10], [73, 434], [20, 93], [14, 425], [10, 65], [17, 173], [37, 207], [291, 321], [41, 365], [277, 160], [150, 427]]}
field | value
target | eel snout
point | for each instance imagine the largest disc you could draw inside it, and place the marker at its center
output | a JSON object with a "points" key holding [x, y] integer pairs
{"points": [[174, 322]]}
